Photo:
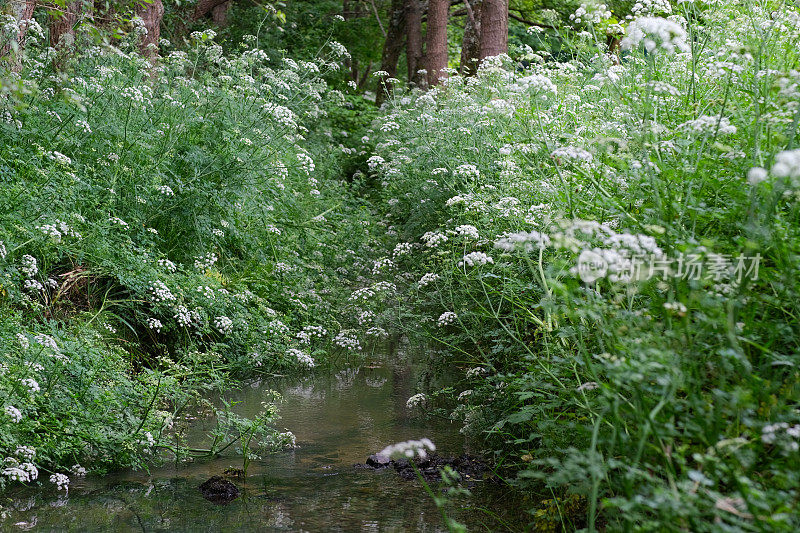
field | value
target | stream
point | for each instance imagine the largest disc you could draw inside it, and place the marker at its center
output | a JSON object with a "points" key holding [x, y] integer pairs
{"points": [[338, 420]]}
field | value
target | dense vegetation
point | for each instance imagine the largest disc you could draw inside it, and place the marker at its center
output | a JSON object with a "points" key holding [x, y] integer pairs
{"points": [[595, 235]]}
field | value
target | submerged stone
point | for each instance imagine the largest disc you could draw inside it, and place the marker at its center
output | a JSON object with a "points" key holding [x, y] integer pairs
{"points": [[219, 490], [470, 468], [378, 461]]}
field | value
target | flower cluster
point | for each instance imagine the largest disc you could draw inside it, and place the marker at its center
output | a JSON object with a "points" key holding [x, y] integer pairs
{"points": [[446, 318], [657, 35], [409, 449], [473, 259]]}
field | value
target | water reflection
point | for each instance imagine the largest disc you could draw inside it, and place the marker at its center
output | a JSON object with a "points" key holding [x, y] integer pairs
{"points": [[338, 421]]}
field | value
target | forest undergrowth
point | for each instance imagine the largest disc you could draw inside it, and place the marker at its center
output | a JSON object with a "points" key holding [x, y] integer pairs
{"points": [[599, 248]]}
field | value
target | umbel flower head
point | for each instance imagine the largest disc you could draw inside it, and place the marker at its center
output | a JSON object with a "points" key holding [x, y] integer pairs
{"points": [[658, 35], [408, 449]]}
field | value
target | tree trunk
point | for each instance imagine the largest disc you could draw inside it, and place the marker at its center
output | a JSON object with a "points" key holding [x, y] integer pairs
{"points": [[22, 12], [204, 7], [436, 40], [413, 13], [151, 14], [494, 28], [392, 48], [62, 24], [220, 14], [471, 45]]}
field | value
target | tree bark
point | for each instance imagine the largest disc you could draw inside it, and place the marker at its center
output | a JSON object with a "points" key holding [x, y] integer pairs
{"points": [[220, 14], [413, 14], [436, 40], [151, 14], [494, 28], [392, 48], [471, 44], [22, 12], [204, 7], [62, 24]]}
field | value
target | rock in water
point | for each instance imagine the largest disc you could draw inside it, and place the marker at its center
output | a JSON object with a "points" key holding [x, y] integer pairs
{"points": [[378, 461], [219, 490]]}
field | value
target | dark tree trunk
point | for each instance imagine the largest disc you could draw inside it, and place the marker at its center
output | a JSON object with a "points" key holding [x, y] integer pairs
{"points": [[62, 25], [21, 11], [413, 12], [436, 40], [471, 44], [392, 48], [151, 14], [220, 14], [494, 28], [204, 7]]}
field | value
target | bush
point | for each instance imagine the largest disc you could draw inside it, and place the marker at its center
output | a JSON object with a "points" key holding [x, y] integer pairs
{"points": [[547, 223], [163, 227]]}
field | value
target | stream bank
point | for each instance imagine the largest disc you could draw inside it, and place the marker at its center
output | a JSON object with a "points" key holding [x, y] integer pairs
{"points": [[338, 420]]}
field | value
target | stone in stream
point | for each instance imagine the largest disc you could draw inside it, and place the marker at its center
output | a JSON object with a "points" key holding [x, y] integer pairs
{"points": [[378, 461], [469, 467], [219, 490]]}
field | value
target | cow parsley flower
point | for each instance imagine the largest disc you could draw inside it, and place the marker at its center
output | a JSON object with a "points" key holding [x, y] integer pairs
{"points": [[119, 222], [302, 357], [205, 262], [467, 230], [28, 265], [46, 340], [408, 449], [13, 413], [446, 318], [417, 400], [347, 341], [23, 341], [223, 324], [756, 175], [709, 125], [427, 279], [27, 453], [433, 239], [475, 259], [658, 35], [61, 481], [787, 164], [31, 384], [160, 292], [572, 153]]}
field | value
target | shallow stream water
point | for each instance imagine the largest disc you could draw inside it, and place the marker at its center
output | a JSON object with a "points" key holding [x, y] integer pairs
{"points": [[338, 419]]}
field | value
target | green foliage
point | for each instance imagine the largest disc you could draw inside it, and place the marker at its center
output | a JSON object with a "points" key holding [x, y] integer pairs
{"points": [[166, 227], [655, 401]]}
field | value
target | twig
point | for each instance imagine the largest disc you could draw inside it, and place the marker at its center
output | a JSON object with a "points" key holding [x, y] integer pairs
{"points": [[470, 13], [380, 24]]}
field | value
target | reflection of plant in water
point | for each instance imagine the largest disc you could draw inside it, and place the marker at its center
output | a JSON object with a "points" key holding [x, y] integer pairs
{"points": [[411, 449], [251, 434]]}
